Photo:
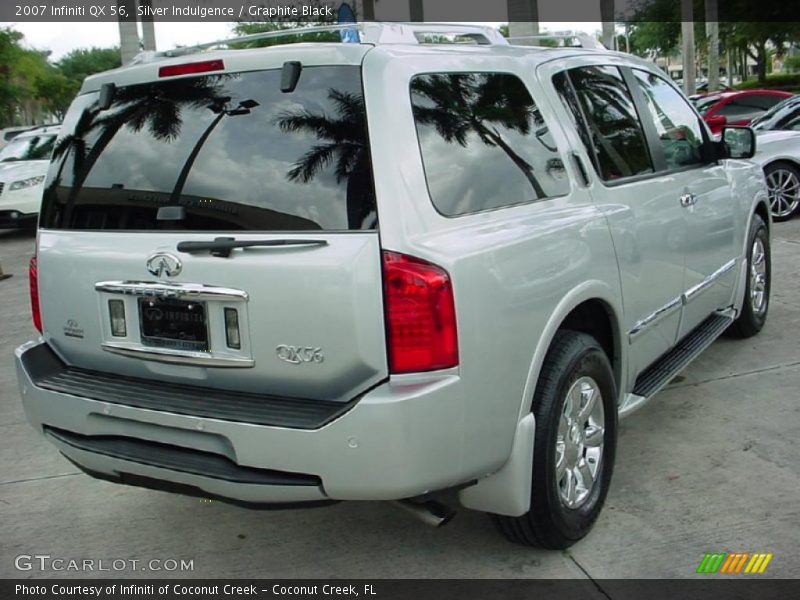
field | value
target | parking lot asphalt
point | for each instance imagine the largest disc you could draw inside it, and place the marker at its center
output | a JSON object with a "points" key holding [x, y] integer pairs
{"points": [[711, 465]]}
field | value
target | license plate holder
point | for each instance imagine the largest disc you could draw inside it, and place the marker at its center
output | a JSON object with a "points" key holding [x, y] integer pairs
{"points": [[176, 324]]}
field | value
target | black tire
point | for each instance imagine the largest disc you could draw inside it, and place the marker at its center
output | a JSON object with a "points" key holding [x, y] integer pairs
{"points": [[750, 321], [794, 206], [550, 523]]}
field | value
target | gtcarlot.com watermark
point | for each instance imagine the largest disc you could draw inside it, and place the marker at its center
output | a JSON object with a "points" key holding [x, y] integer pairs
{"points": [[46, 562]]}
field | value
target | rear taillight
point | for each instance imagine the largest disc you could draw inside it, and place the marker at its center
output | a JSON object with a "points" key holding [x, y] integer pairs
{"points": [[420, 315], [33, 281]]}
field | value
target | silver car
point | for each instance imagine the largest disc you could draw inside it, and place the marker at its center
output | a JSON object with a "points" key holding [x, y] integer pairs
{"points": [[386, 270]]}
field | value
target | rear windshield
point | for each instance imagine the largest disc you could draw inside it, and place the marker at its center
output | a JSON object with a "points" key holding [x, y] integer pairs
{"points": [[218, 152]]}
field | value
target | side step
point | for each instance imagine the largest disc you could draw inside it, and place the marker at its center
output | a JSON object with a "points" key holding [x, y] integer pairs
{"points": [[670, 364]]}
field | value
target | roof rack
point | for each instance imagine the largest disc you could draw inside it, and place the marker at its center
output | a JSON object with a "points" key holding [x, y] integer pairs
{"points": [[368, 32], [584, 40]]}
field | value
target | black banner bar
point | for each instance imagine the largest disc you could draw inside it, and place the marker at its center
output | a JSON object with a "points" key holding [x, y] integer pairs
{"points": [[385, 10], [710, 587]]}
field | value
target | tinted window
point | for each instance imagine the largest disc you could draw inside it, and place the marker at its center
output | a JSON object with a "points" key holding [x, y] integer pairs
{"points": [[613, 125], [484, 143], [28, 148], [764, 101], [231, 149], [784, 115], [676, 124], [743, 107]]}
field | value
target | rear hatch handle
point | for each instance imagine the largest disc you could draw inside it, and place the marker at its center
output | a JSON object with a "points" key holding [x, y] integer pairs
{"points": [[222, 246]]}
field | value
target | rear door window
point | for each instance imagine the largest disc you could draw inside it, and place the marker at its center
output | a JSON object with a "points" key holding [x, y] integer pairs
{"points": [[605, 107], [484, 142], [231, 151]]}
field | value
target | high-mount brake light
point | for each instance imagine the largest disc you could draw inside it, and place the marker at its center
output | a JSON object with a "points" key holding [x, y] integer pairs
{"points": [[191, 68]]}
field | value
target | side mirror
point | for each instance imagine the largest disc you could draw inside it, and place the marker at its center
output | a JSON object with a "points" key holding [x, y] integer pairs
{"points": [[738, 142]]}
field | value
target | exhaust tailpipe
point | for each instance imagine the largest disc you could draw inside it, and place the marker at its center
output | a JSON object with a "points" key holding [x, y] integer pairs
{"points": [[429, 512]]}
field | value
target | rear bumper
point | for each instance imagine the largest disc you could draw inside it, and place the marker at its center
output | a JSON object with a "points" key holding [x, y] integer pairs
{"points": [[401, 439]]}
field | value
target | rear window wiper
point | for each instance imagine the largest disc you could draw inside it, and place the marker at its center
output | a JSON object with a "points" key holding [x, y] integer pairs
{"points": [[222, 246]]}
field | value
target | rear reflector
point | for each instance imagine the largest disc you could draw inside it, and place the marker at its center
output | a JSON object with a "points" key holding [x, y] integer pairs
{"points": [[191, 68], [33, 281], [420, 315]]}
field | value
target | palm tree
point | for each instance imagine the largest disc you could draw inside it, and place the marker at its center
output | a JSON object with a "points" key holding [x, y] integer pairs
{"points": [[343, 145], [155, 106], [458, 104]]}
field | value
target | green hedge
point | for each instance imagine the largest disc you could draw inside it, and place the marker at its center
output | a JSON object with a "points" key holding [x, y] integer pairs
{"points": [[776, 81]]}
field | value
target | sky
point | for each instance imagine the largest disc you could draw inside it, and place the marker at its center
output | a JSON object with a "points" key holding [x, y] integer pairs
{"points": [[60, 38]]}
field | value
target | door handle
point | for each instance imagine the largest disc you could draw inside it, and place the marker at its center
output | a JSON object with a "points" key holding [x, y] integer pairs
{"points": [[688, 200]]}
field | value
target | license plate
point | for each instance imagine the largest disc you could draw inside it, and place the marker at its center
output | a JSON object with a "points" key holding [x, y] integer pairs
{"points": [[178, 324]]}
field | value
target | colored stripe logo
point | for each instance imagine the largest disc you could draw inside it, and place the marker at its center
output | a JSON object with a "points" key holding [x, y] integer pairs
{"points": [[735, 563]]}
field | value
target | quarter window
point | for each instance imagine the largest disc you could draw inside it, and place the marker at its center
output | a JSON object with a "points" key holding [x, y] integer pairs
{"points": [[612, 124], [677, 125], [484, 142]]}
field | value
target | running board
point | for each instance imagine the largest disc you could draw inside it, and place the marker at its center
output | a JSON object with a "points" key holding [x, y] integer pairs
{"points": [[660, 373]]}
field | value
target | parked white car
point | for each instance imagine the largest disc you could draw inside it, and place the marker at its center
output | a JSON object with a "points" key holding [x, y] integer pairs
{"points": [[23, 167], [778, 153]]}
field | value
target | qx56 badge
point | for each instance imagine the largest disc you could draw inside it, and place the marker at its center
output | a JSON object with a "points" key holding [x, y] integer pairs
{"points": [[298, 355]]}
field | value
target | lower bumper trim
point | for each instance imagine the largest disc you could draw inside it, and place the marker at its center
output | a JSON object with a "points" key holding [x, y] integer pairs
{"points": [[183, 489]]}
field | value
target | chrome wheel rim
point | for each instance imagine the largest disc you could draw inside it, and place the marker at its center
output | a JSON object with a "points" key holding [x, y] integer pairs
{"points": [[579, 442], [784, 192], [758, 277]]}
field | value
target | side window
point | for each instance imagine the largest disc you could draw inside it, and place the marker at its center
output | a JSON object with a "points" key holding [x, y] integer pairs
{"points": [[612, 124], [676, 123], [739, 108], [484, 143], [764, 101]]}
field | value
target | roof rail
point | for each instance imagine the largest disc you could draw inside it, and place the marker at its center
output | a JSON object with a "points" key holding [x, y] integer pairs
{"points": [[369, 33], [584, 40]]}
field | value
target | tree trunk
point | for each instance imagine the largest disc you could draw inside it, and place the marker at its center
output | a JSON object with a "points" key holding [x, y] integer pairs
{"points": [[523, 165], [148, 29], [523, 21], [128, 32], [712, 31], [687, 39], [416, 13], [607, 19]]}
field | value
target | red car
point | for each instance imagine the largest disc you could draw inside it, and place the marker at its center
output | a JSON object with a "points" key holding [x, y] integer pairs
{"points": [[736, 108]]}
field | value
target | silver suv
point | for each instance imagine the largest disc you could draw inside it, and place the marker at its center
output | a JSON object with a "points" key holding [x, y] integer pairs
{"points": [[386, 270]]}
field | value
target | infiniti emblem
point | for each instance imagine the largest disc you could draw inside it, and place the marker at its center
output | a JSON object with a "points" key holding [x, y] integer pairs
{"points": [[161, 263]]}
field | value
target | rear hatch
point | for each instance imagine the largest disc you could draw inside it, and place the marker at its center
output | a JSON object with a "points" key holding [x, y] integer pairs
{"points": [[213, 229]]}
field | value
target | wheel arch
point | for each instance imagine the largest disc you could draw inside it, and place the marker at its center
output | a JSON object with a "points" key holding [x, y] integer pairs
{"points": [[508, 490], [591, 308]]}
